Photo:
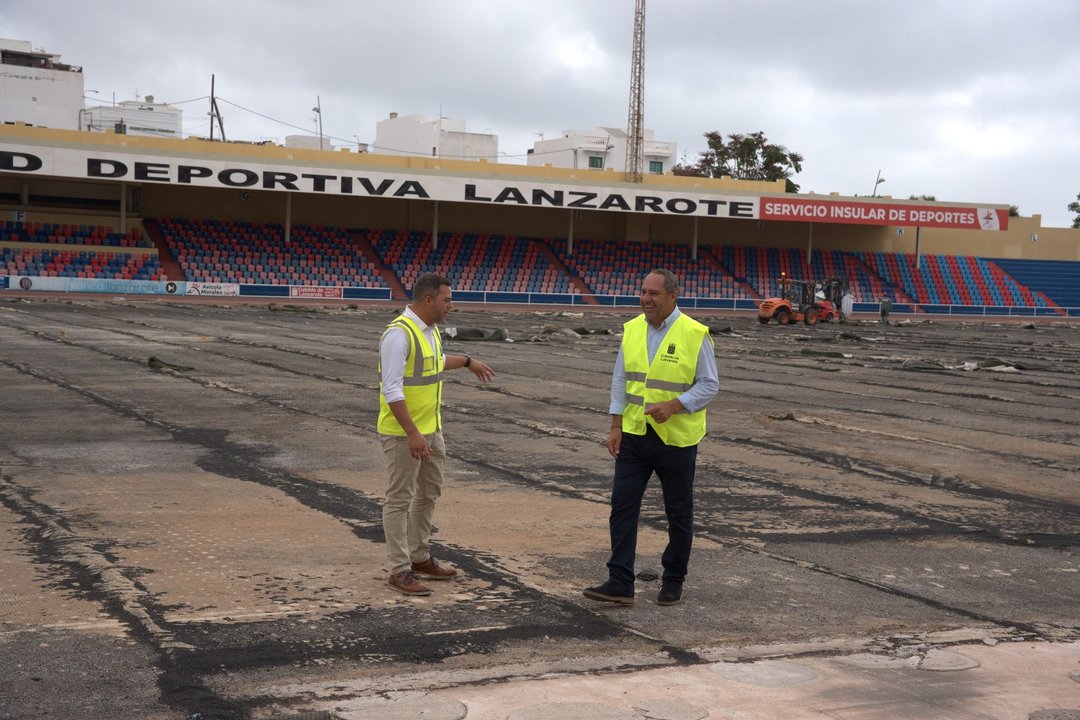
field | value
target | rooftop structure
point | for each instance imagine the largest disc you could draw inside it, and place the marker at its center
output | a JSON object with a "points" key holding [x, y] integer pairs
{"points": [[601, 148], [433, 136]]}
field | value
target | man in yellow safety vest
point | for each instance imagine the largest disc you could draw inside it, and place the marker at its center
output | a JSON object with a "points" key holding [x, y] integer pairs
{"points": [[664, 376], [411, 365]]}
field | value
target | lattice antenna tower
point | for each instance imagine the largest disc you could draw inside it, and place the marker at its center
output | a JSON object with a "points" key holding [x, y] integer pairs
{"points": [[635, 124]]}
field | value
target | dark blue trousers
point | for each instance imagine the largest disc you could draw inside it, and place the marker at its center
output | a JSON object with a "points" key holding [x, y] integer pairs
{"points": [[639, 457]]}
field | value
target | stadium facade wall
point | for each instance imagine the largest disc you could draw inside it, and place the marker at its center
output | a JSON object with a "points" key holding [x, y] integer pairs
{"points": [[155, 199]]}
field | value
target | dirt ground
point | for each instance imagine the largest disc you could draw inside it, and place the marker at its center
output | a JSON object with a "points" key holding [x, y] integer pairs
{"points": [[200, 534]]}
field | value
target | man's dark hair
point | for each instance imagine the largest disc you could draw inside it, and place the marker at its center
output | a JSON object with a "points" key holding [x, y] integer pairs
{"points": [[671, 283], [427, 285]]}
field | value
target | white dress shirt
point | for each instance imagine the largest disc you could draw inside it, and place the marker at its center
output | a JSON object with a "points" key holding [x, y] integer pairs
{"points": [[394, 353]]}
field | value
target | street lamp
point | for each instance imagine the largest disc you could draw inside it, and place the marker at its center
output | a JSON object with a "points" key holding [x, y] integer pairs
{"points": [[83, 111], [877, 182], [318, 116]]}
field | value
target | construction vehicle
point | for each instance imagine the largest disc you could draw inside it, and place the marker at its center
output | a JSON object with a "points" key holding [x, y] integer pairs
{"points": [[834, 290], [798, 301]]}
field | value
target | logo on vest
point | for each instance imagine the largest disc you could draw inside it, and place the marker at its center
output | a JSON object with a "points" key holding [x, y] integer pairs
{"points": [[669, 356]]}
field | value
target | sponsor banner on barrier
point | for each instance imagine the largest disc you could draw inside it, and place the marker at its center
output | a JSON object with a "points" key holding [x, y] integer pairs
{"points": [[867, 213], [314, 291], [213, 289], [96, 285], [3, 281]]}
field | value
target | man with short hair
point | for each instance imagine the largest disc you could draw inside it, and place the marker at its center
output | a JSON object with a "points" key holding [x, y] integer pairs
{"points": [[664, 376], [411, 365]]}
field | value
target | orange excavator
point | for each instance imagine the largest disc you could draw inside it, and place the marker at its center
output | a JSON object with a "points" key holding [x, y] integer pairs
{"points": [[797, 301]]}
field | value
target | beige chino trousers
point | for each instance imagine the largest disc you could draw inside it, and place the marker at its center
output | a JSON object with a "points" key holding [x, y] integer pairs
{"points": [[414, 486]]}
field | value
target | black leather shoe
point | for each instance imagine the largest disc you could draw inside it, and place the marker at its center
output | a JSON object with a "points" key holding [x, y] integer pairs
{"points": [[670, 593], [610, 592]]}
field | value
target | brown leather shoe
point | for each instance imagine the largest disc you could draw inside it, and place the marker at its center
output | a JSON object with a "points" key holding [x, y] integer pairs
{"points": [[407, 584], [430, 569]]}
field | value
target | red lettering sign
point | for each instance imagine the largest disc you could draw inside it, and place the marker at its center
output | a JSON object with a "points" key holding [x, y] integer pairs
{"points": [[851, 212]]}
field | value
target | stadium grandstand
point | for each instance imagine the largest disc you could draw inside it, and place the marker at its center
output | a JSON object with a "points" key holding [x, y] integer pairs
{"points": [[82, 213]]}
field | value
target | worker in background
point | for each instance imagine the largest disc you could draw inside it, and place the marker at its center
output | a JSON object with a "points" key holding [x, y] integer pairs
{"points": [[886, 307]]}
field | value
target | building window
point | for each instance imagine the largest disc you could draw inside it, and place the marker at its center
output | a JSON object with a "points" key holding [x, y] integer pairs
{"points": [[656, 167], [596, 162]]}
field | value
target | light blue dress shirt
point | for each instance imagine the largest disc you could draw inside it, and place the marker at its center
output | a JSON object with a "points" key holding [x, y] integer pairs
{"points": [[706, 383]]}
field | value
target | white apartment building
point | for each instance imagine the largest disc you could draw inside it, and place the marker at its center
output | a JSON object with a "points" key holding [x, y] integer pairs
{"points": [[132, 117], [432, 136], [37, 89], [601, 148]]}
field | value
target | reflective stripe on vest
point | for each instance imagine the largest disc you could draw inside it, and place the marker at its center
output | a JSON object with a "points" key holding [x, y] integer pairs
{"points": [[421, 384], [670, 374]]}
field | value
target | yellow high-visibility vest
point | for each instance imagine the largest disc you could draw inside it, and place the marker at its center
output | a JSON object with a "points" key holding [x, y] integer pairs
{"points": [[422, 382], [670, 374]]}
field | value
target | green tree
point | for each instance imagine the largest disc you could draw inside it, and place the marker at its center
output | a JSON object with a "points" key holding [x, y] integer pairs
{"points": [[745, 157], [931, 198], [685, 167], [1075, 207]]}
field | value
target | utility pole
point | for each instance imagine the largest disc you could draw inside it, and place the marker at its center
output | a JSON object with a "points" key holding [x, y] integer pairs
{"points": [[877, 181], [635, 124], [215, 113]]}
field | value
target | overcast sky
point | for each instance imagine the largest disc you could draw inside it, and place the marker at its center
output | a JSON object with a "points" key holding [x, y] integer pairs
{"points": [[966, 100]]}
